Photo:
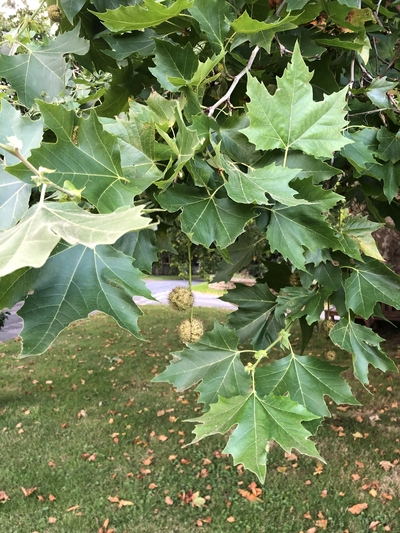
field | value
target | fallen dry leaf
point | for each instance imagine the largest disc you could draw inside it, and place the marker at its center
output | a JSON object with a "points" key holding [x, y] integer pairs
{"points": [[321, 523], [386, 465], [387, 496], [373, 525], [373, 493], [312, 530], [124, 503], [307, 515], [230, 519], [153, 486], [52, 498], [3, 496], [28, 492], [162, 438], [73, 508], [357, 508], [113, 499], [52, 520], [82, 414], [168, 501]]}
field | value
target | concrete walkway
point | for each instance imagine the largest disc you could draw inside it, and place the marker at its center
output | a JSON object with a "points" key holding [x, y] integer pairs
{"points": [[159, 289]]}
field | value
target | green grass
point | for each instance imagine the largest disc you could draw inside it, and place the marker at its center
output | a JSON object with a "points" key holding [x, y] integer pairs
{"points": [[204, 288], [97, 367]]}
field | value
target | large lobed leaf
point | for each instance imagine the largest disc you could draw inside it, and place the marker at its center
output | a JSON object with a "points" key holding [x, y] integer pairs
{"points": [[31, 241], [74, 282], [257, 420], [307, 380], [215, 362], [42, 70], [290, 119]]}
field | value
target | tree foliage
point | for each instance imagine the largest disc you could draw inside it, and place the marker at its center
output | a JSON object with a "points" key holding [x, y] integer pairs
{"points": [[214, 117]]}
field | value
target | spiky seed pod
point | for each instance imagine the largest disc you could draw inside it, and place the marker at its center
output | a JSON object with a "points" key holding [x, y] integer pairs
{"points": [[327, 325], [294, 280], [54, 13], [181, 298], [330, 355], [190, 330]]}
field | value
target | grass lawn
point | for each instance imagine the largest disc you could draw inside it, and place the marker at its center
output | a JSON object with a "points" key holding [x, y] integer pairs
{"points": [[91, 441]]}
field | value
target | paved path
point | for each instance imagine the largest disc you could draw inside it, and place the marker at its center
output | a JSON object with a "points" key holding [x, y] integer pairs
{"points": [[159, 289]]}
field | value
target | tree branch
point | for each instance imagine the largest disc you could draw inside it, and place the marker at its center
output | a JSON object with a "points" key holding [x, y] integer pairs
{"points": [[236, 80]]}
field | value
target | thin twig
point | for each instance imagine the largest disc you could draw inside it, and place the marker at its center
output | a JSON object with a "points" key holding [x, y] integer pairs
{"points": [[236, 80], [280, 8], [392, 62]]}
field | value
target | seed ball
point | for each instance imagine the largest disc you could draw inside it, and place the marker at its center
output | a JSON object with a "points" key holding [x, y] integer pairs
{"points": [[54, 13], [190, 331], [330, 355], [294, 280], [327, 325], [181, 298]]}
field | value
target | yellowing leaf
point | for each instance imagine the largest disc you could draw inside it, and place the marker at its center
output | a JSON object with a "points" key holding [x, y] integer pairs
{"points": [[124, 503]]}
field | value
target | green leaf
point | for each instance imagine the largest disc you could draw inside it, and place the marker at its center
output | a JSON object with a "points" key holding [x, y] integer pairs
{"points": [[245, 24], [72, 8], [240, 254], [257, 420], [123, 46], [369, 283], [14, 199], [327, 274], [255, 307], [290, 119], [85, 155], [213, 17], [307, 380], [149, 13], [389, 145], [293, 228], [309, 166], [356, 235], [30, 242], [205, 218], [255, 184], [234, 144], [136, 132], [215, 362], [389, 173], [74, 282], [42, 70], [295, 302], [13, 124], [364, 345], [141, 245], [173, 61]]}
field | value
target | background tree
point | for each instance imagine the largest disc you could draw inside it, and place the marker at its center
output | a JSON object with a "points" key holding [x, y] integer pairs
{"points": [[214, 115]]}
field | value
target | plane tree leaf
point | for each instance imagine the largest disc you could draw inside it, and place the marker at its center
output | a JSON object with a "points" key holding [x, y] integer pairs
{"points": [[292, 229], [206, 219], [364, 345], [296, 302], [356, 235], [74, 282], [290, 119], [254, 314], [136, 17], [14, 199], [369, 283], [30, 242], [307, 380], [213, 17], [173, 61], [240, 254], [257, 420], [254, 185], [142, 246], [42, 69], [85, 155], [389, 145], [215, 362]]}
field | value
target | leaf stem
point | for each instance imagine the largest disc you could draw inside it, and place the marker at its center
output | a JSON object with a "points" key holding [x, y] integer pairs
{"points": [[236, 80], [15, 152], [190, 275]]}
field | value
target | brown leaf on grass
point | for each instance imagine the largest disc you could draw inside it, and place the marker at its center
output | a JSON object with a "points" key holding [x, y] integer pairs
{"points": [[373, 525], [73, 508], [64, 425], [52, 520], [307, 515], [321, 523], [387, 496], [312, 530], [52, 464], [3, 496], [162, 438], [168, 500], [359, 464], [148, 461], [230, 519], [357, 508], [152, 486], [386, 465], [161, 413], [373, 493], [113, 499], [92, 457], [172, 457], [145, 471], [253, 495], [41, 498], [52, 498], [28, 492], [82, 414], [124, 503], [355, 477]]}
